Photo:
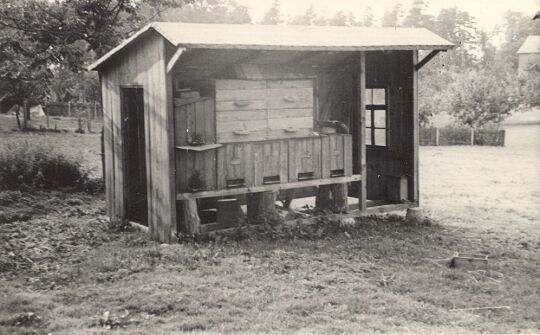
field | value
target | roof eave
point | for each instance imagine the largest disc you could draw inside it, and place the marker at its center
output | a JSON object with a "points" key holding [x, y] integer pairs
{"points": [[442, 47]]}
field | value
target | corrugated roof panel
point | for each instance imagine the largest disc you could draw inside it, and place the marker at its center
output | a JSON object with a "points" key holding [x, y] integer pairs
{"points": [[301, 38], [531, 45]]}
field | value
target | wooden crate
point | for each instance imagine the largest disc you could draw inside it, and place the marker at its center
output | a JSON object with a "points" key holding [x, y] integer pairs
{"points": [[305, 158], [249, 110], [194, 116], [336, 155], [190, 162]]}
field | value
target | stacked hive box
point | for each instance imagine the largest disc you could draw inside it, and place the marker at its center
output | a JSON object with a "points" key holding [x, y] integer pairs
{"points": [[257, 132]]}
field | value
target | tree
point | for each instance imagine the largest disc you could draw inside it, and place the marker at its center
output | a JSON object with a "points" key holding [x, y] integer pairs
{"points": [[416, 16], [273, 15], [480, 97], [367, 18], [392, 18], [308, 18], [24, 76], [459, 27], [340, 19], [38, 37], [516, 27], [209, 11]]}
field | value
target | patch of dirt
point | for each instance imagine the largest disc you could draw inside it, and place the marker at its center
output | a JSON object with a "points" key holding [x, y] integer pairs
{"points": [[54, 227]]}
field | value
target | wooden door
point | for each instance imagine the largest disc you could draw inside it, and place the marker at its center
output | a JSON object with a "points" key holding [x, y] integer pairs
{"points": [[134, 155]]}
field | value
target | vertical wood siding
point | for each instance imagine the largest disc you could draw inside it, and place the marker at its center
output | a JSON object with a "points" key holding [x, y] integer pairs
{"points": [[142, 64]]}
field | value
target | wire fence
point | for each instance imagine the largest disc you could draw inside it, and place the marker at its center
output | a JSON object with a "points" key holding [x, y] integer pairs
{"points": [[461, 136]]}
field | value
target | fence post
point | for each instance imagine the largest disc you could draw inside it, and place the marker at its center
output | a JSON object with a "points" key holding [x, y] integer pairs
{"points": [[502, 138], [437, 136], [69, 108], [472, 136]]}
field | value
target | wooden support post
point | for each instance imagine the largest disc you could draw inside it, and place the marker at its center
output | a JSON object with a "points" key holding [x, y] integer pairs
{"points": [[333, 197], [361, 132], [472, 136], [437, 136], [229, 212], [189, 217], [415, 132], [69, 108], [287, 197], [261, 206]]}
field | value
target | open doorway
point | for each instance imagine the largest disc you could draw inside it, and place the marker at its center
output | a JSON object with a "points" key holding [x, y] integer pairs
{"points": [[134, 154]]}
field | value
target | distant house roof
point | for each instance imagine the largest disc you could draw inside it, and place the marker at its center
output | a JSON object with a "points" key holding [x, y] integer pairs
{"points": [[531, 45], [302, 38]]}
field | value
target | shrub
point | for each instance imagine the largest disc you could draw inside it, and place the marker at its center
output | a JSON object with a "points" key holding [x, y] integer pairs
{"points": [[25, 163]]}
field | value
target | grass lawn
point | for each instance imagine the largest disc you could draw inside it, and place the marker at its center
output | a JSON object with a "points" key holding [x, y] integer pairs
{"points": [[66, 271]]}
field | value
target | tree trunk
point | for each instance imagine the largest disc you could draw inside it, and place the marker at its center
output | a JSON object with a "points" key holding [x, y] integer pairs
{"points": [[26, 113], [261, 206]]}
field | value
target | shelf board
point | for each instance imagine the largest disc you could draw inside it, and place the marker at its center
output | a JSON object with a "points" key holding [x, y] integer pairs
{"points": [[273, 187], [199, 147]]}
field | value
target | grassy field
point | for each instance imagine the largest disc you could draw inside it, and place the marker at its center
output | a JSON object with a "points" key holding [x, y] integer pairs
{"points": [[65, 270]]}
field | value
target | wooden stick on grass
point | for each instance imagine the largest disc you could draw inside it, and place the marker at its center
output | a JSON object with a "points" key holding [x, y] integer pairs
{"points": [[480, 308]]}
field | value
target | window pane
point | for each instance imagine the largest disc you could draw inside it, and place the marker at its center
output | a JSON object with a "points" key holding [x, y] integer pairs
{"points": [[369, 96], [380, 118], [368, 118], [380, 137], [379, 96], [368, 136]]}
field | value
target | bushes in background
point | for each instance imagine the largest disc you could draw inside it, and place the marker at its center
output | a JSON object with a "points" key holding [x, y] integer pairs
{"points": [[25, 163]]}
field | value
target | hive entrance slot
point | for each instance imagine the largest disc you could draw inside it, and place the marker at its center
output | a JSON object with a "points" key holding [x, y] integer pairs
{"points": [[271, 180], [337, 173], [306, 175], [234, 183]]}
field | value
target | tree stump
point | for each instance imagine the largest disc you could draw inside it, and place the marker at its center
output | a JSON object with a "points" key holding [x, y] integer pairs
{"points": [[189, 217], [415, 216], [333, 197], [261, 206]]}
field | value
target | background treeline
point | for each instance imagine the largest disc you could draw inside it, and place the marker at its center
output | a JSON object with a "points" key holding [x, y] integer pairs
{"points": [[45, 45]]}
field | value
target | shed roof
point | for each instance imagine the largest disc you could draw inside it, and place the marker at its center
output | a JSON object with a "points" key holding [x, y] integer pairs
{"points": [[531, 45], [300, 38]]}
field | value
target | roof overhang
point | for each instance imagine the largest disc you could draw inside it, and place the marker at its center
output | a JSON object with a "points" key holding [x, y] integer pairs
{"points": [[286, 38]]}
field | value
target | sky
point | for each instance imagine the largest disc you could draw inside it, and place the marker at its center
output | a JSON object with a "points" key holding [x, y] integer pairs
{"points": [[487, 12]]}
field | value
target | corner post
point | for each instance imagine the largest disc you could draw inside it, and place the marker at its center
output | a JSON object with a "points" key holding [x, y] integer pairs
{"points": [[416, 129], [170, 234], [361, 132]]}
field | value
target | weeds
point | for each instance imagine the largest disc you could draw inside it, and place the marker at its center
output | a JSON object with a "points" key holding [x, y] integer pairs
{"points": [[30, 164]]}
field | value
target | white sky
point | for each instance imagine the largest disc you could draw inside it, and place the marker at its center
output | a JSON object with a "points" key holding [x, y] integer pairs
{"points": [[487, 12]]}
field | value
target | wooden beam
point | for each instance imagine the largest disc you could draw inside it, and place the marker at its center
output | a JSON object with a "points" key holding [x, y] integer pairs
{"points": [[361, 131], [426, 59], [264, 188], [174, 58], [249, 58], [353, 213]]}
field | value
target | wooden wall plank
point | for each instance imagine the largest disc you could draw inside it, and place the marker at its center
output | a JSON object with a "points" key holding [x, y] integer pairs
{"points": [[361, 131], [108, 143]]}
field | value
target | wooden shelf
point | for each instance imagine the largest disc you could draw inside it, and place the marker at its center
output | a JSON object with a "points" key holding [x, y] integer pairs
{"points": [[199, 147], [264, 188]]}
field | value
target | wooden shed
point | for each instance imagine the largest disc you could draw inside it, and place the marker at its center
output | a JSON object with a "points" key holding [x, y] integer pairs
{"points": [[200, 118]]}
